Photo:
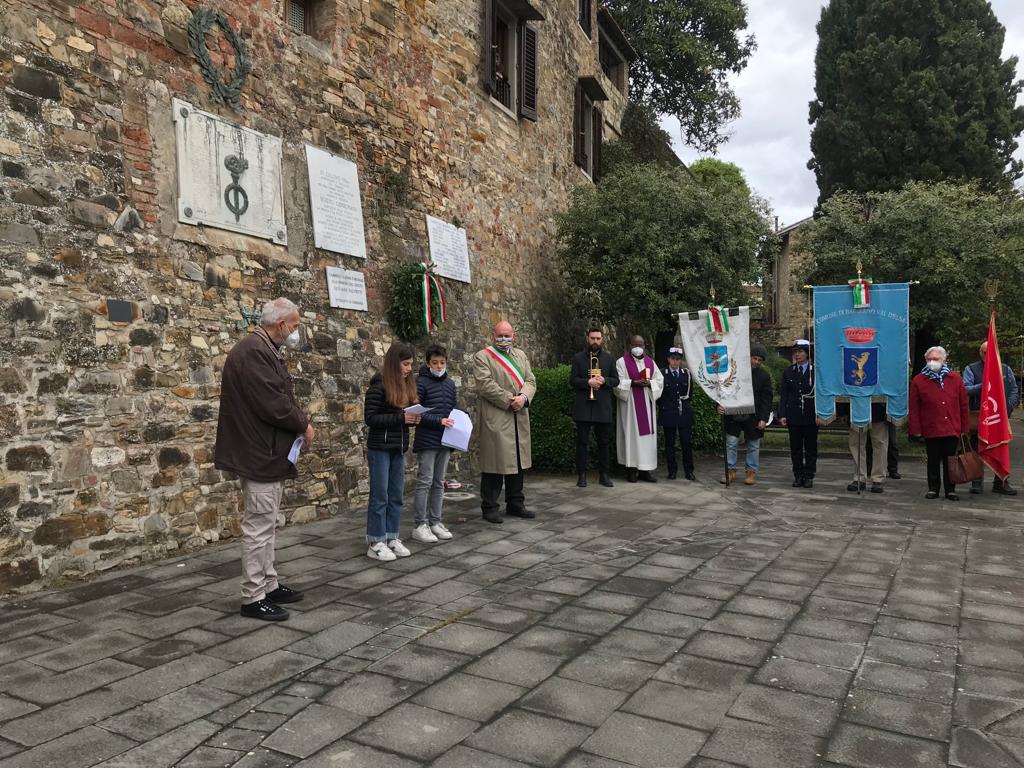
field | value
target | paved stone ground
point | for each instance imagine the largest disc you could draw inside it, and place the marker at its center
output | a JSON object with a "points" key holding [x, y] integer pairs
{"points": [[671, 625]]}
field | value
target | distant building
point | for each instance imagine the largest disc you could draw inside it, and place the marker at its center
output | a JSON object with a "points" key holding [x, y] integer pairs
{"points": [[787, 303]]}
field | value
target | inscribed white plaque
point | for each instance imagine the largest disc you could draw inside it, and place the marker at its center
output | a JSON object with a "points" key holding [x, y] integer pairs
{"points": [[346, 288], [337, 207], [229, 177], [449, 249]]}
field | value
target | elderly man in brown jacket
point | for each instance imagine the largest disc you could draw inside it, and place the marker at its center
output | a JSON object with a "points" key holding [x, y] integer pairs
{"points": [[259, 421], [505, 386]]}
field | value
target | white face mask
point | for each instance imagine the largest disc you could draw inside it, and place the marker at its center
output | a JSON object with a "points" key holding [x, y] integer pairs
{"points": [[935, 365], [637, 352], [292, 339], [438, 373]]}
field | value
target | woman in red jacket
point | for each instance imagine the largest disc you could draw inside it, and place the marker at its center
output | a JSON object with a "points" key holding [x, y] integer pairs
{"points": [[938, 413]]}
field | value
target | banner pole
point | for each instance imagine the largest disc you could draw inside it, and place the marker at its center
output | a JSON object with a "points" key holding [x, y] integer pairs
{"points": [[725, 452], [861, 470]]}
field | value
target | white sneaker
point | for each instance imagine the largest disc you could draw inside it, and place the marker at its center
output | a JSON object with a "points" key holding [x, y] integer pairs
{"points": [[399, 548], [422, 533], [440, 531], [380, 551]]}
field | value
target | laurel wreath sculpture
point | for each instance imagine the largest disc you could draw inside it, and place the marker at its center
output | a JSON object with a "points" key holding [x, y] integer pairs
{"points": [[224, 90]]}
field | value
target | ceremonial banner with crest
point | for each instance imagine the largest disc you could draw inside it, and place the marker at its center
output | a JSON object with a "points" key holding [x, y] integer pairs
{"points": [[862, 350], [717, 346]]}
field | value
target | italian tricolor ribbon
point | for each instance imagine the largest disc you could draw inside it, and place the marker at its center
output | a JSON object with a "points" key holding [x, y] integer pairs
{"points": [[861, 292], [506, 363], [429, 278], [717, 319]]}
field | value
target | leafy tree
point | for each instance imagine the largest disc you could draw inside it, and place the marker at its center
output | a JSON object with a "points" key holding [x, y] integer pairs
{"points": [[641, 140], [687, 50], [649, 241], [713, 174], [951, 237], [913, 90]]}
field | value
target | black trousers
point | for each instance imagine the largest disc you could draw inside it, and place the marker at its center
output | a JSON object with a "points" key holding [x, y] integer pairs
{"points": [[937, 449], [604, 436], [685, 442], [490, 490], [892, 455], [803, 449]]}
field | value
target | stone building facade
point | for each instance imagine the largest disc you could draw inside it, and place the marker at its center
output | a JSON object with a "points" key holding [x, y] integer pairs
{"points": [[787, 308], [117, 316]]}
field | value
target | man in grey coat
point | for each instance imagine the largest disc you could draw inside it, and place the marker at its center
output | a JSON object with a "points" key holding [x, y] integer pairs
{"points": [[259, 420]]}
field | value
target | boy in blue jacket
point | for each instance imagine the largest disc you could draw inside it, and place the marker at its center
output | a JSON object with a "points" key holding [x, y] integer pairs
{"points": [[436, 392]]}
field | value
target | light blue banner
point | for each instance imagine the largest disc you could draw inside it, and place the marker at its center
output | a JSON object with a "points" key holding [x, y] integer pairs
{"points": [[862, 353]]}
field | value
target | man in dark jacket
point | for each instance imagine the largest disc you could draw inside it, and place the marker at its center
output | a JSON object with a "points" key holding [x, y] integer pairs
{"points": [[592, 407], [675, 414], [751, 425], [258, 423], [974, 377], [796, 406]]}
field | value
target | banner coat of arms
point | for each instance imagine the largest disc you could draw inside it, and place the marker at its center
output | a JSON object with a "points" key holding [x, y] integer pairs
{"points": [[717, 346]]}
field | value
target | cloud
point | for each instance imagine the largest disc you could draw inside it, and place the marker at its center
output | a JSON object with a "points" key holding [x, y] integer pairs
{"points": [[771, 139]]}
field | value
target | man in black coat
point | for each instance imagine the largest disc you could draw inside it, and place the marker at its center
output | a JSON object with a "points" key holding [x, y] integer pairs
{"points": [[592, 407], [751, 425], [796, 404], [675, 414]]}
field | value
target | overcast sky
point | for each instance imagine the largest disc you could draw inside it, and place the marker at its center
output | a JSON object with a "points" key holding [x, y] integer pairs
{"points": [[771, 139]]}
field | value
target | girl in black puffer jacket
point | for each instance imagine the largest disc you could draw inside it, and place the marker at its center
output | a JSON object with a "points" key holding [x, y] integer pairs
{"points": [[390, 391]]}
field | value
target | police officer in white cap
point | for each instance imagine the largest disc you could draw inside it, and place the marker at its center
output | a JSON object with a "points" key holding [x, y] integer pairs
{"points": [[796, 402], [675, 414]]}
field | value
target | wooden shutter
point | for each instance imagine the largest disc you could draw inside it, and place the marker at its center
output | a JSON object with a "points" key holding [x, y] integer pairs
{"points": [[598, 127], [488, 47], [527, 72], [577, 127]]}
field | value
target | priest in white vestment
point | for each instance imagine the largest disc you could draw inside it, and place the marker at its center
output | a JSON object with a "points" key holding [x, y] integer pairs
{"points": [[636, 436]]}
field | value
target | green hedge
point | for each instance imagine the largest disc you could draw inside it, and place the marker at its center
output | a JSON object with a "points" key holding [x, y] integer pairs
{"points": [[554, 432]]}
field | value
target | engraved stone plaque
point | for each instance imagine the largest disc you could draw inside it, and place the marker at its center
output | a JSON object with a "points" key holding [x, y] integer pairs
{"points": [[449, 249], [346, 288], [337, 207], [229, 177]]}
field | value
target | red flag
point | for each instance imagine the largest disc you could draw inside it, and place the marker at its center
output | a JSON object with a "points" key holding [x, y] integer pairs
{"points": [[993, 421]]}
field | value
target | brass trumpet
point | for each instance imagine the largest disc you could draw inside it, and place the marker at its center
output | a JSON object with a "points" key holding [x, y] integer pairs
{"points": [[595, 370]]}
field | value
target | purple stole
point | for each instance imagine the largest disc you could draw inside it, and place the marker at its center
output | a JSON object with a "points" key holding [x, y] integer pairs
{"points": [[643, 417]]}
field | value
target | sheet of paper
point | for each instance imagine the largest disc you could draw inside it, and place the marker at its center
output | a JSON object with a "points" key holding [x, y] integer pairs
{"points": [[457, 437], [414, 409], [293, 454]]}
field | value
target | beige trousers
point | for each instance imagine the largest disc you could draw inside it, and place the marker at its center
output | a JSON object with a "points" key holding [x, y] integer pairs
{"points": [[259, 524], [878, 434]]}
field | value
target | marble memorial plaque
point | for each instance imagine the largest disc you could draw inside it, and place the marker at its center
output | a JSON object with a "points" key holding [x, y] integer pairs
{"points": [[337, 206], [229, 177], [449, 249], [346, 288]]}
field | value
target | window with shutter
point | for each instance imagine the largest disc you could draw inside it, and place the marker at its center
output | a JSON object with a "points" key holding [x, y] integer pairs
{"points": [[598, 137], [488, 47], [528, 72], [585, 11], [316, 18], [577, 127]]}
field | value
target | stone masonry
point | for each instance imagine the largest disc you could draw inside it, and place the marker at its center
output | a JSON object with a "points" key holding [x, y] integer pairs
{"points": [[107, 428]]}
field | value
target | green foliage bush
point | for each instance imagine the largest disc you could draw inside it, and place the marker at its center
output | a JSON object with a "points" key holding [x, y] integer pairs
{"points": [[553, 431]]}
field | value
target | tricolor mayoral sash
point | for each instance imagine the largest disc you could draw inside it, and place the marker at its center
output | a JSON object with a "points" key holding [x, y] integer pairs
{"points": [[862, 350], [717, 346], [641, 395]]}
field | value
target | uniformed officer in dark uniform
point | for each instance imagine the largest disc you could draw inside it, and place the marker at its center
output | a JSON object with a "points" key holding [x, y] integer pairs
{"points": [[796, 404], [675, 414], [592, 407]]}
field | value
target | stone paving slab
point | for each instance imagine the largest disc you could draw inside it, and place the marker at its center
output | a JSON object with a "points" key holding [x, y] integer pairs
{"points": [[675, 624]]}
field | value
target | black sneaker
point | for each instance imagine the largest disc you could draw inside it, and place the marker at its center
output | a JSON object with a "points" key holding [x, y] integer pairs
{"points": [[808, 482], [855, 486], [1004, 488], [523, 513], [691, 477], [493, 517], [265, 610], [284, 595], [877, 488], [894, 475]]}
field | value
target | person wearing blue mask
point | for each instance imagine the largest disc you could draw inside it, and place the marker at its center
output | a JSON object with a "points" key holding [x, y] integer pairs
{"points": [[436, 391], [505, 386]]}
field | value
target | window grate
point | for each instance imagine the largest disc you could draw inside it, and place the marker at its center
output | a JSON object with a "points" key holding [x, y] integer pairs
{"points": [[297, 15]]}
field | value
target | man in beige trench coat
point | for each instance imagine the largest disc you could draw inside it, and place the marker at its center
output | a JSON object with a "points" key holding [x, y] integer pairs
{"points": [[505, 386]]}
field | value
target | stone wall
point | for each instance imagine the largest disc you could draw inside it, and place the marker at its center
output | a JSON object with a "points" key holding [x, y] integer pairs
{"points": [[107, 429], [790, 300]]}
